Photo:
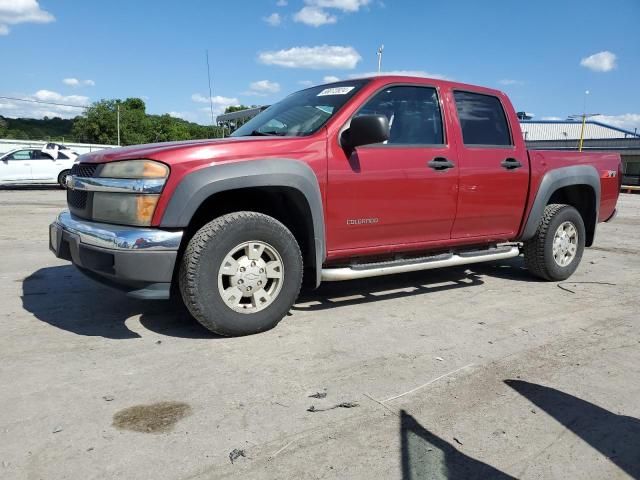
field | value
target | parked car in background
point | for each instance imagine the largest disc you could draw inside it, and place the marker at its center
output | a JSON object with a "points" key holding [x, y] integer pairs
{"points": [[48, 165]]}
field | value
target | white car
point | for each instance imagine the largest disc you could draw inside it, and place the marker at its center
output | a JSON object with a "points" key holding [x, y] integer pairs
{"points": [[50, 164]]}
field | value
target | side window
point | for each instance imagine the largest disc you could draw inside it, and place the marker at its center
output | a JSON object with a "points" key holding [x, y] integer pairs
{"points": [[413, 112], [37, 154], [482, 119], [20, 155], [62, 156]]}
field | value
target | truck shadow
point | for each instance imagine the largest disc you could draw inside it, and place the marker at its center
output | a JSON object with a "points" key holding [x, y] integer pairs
{"points": [[615, 436], [424, 455], [353, 292], [64, 298]]}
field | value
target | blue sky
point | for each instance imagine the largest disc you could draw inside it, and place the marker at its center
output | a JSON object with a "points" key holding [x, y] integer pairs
{"points": [[545, 54]]}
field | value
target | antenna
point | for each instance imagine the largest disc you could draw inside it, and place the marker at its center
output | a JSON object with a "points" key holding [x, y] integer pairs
{"points": [[210, 93], [380, 50]]}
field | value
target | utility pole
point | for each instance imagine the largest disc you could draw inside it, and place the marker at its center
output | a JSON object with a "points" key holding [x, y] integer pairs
{"points": [[118, 121], [584, 117], [380, 50], [210, 92]]}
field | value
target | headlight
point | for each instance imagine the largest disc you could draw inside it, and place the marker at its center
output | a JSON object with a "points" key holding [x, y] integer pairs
{"points": [[134, 169], [126, 203]]}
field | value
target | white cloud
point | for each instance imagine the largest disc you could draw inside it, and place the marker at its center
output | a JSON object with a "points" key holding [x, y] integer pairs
{"points": [[315, 12], [314, 16], [600, 62], [627, 121], [330, 79], [219, 102], [510, 81], [274, 19], [281, 3], [13, 12], [321, 57], [401, 73], [51, 96], [18, 109], [263, 88], [74, 82], [305, 83], [344, 5]]}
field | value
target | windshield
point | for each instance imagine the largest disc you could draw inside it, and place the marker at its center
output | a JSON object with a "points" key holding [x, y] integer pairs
{"points": [[301, 113]]}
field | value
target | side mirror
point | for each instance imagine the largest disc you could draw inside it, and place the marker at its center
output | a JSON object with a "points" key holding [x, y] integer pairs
{"points": [[366, 130]]}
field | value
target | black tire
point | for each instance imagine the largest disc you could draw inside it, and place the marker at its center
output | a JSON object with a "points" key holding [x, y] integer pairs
{"points": [[203, 257], [62, 178], [538, 251]]}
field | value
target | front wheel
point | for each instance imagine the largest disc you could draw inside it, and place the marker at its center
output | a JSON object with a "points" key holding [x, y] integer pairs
{"points": [[556, 249], [241, 273], [62, 178]]}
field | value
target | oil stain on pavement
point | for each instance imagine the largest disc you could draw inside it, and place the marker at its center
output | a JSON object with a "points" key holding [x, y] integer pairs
{"points": [[154, 418]]}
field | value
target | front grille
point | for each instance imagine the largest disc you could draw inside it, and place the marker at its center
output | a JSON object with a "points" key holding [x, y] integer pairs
{"points": [[77, 199], [84, 169]]}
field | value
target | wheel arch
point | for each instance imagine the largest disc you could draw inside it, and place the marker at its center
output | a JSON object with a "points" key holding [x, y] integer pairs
{"points": [[285, 189], [578, 186]]}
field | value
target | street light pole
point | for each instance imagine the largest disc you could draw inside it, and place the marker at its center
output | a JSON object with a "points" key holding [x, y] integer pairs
{"points": [[118, 122], [380, 50]]}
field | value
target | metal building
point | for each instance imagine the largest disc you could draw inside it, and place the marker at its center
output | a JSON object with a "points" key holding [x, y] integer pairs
{"points": [[565, 135]]}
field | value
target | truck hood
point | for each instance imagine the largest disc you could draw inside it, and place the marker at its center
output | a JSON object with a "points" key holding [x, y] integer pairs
{"points": [[198, 150]]}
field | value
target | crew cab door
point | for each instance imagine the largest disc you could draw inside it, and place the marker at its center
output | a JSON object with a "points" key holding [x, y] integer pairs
{"points": [[493, 167], [402, 191], [16, 167]]}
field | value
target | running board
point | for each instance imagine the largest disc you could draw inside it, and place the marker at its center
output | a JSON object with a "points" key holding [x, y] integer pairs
{"points": [[416, 264]]}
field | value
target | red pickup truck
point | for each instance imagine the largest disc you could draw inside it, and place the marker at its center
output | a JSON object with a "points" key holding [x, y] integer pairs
{"points": [[349, 180]]}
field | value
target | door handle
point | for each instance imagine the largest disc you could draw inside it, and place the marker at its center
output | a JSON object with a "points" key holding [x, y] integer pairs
{"points": [[440, 163], [510, 163]]}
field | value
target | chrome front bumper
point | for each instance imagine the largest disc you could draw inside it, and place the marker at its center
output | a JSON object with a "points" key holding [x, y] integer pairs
{"points": [[138, 260], [117, 237]]}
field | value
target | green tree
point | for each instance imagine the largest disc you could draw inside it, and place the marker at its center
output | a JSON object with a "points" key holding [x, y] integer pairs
{"points": [[99, 122], [236, 108], [165, 128]]}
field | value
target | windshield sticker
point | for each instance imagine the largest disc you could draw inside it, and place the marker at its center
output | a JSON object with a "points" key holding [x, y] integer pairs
{"points": [[335, 91]]}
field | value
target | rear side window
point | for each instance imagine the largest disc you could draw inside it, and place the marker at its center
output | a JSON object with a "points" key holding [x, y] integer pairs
{"points": [[482, 119], [413, 113]]}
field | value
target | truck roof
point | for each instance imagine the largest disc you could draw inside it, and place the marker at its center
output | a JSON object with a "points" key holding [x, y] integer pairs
{"points": [[383, 79]]}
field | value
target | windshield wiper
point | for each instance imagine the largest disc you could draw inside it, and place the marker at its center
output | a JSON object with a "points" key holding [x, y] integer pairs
{"points": [[258, 133]]}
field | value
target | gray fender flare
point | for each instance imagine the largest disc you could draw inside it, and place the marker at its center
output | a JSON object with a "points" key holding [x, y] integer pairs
{"points": [[554, 180], [201, 184]]}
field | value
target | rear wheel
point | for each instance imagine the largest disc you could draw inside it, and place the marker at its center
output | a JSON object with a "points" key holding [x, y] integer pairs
{"points": [[556, 249], [241, 273], [62, 178]]}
